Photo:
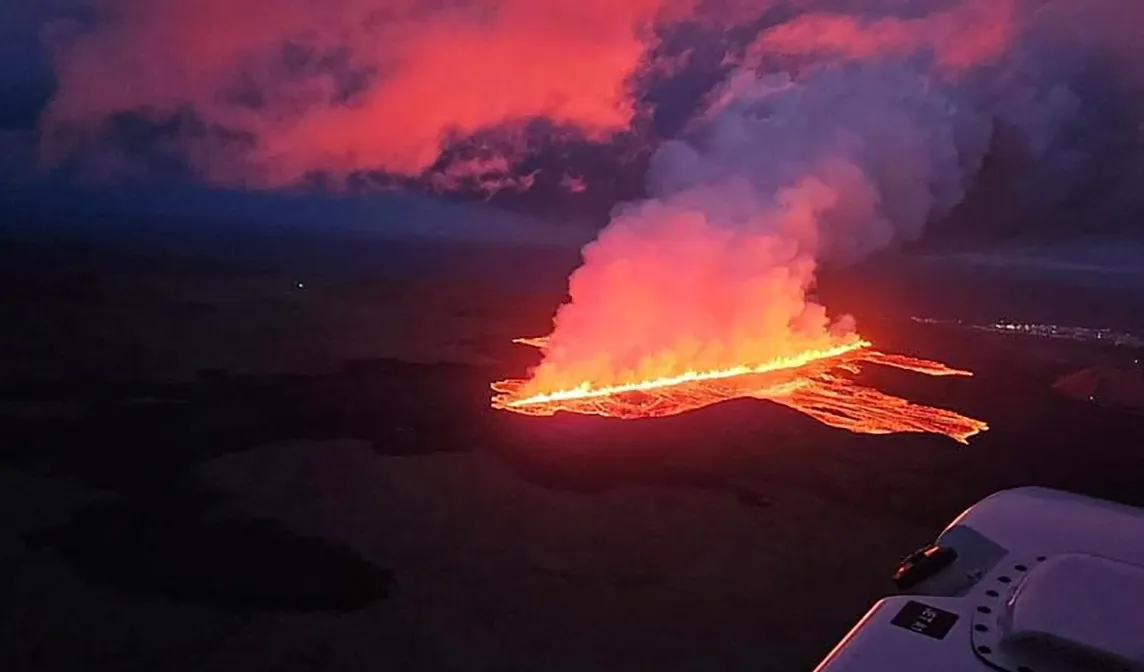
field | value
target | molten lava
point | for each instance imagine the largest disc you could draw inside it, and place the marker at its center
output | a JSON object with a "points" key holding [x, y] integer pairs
{"points": [[814, 382]]}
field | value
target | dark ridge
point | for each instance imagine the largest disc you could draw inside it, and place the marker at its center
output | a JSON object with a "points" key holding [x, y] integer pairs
{"points": [[249, 565], [143, 436]]}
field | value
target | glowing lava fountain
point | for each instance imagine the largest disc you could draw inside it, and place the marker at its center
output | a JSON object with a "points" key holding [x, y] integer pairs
{"points": [[815, 382]]}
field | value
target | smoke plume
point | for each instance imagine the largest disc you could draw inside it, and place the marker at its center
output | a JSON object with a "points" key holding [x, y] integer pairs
{"points": [[779, 176], [880, 130]]}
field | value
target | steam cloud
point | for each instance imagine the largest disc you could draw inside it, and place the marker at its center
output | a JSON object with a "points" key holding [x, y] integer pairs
{"points": [[714, 271], [881, 132], [840, 127]]}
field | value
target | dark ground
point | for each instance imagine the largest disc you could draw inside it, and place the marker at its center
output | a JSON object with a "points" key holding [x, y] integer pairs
{"points": [[206, 467]]}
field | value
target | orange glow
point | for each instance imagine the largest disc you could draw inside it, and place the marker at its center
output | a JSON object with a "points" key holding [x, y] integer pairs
{"points": [[347, 85], [814, 383], [586, 390], [538, 342]]}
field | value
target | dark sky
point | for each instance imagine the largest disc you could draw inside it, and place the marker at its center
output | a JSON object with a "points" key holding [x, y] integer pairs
{"points": [[26, 78], [22, 24]]}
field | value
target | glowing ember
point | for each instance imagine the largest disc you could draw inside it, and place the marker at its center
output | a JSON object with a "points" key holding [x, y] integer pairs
{"points": [[813, 383]]}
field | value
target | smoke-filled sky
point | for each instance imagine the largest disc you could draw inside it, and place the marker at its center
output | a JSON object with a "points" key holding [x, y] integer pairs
{"points": [[286, 87], [562, 97]]}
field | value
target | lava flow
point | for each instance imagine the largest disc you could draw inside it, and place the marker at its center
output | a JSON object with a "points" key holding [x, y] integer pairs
{"points": [[815, 383]]}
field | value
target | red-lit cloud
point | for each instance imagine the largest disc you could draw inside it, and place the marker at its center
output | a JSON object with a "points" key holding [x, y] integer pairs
{"points": [[344, 85], [966, 34], [268, 92]]}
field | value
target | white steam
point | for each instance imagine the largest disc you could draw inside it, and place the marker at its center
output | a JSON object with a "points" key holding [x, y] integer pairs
{"points": [[779, 175]]}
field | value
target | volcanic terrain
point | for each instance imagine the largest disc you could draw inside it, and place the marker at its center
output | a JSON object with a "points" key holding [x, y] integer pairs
{"points": [[215, 468]]}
